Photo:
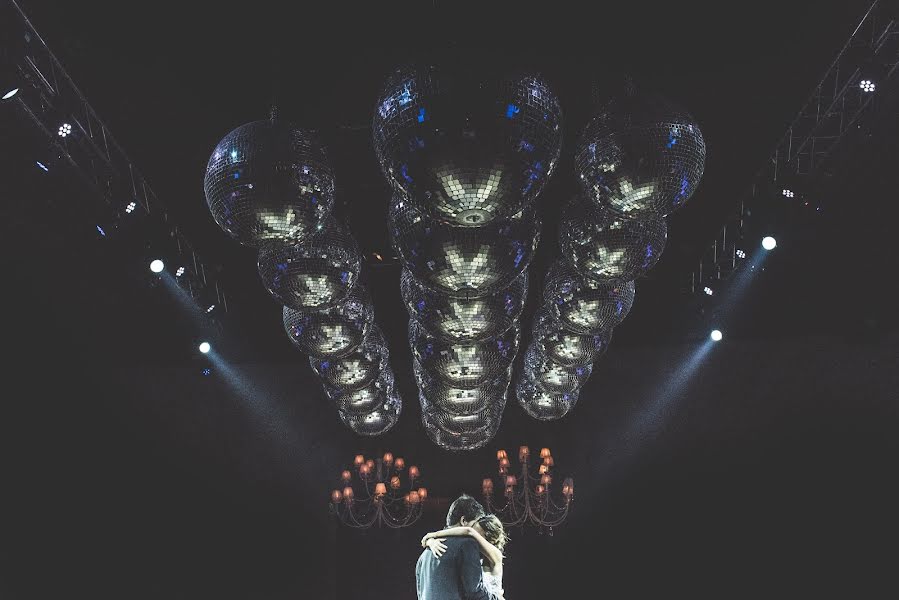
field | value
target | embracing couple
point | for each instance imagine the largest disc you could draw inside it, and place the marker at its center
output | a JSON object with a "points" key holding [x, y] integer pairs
{"points": [[465, 560]]}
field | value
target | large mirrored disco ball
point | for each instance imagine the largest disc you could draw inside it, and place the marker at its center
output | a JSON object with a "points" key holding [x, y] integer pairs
{"points": [[461, 424], [269, 181], [463, 365], [461, 320], [379, 421], [603, 245], [313, 274], [584, 305], [459, 441], [541, 404], [463, 262], [465, 150], [567, 347], [640, 155], [365, 400], [357, 369], [552, 376], [334, 332], [460, 401]]}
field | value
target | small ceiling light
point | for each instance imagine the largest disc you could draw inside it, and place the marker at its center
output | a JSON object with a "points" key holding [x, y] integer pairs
{"points": [[716, 335], [130, 208], [10, 93], [179, 272], [42, 166], [64, 130], [210, 308], [866, 85], [788, 193], [769, 243], [205, 347], [708, 291], [157, 265], [741, 254]]}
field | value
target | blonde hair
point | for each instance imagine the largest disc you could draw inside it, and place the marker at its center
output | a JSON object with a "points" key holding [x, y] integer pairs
{"points": [[494, 531]]}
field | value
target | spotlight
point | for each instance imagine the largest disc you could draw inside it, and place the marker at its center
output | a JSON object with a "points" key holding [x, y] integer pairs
{"points": [[207, 371], [866, 85], [769, 243], [130, 208], [741, 254], [64, 130], [788, 193], [157, 265], [708, 291], [42, 166], [179, 272], [10, 93], [205, 347], [100, 231], [210, 308], [716, 335]]}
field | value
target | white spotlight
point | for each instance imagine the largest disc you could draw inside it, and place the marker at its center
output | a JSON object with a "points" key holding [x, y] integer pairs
{"points": [[866, 85], [769, 243], [179, 272], [716, 335], [157, 265], [205, 347], [64, 130], [788, 193], [130, 208], [10, 93], [210, 308], [708, 291], [741, 254]]}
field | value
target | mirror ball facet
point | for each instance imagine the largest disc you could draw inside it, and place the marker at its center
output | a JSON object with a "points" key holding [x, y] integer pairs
{"points": [[378, 421], [269, 181], [463, 150], [541, 404], [463, 365], [365, 400], [314, 274], [550, 375], [640, 155], [357, 369], [566, 347], [455, 441], [583, 305], [460, 401], [333, 332], [604, 246], [461, 320], [463, 262]]}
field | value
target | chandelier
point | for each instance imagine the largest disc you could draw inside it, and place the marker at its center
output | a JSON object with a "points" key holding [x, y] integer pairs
{"points": [[378, 494], [528, 498]]}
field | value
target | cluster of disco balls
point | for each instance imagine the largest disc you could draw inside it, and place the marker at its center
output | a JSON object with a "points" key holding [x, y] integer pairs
{"points": [[269, 185], [638, 160], [466, 160]]}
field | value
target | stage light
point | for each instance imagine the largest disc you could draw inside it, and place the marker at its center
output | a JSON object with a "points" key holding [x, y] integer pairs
{"points": [[10, 93], [64, 130], [769, 243], [130, 208], [741, 254], [205, 347], [207, 371], [866, 85], [179, 272], [788, 193], [157, 265], [210, 308], [100, 231], [716, 335], [708, 291], [42, 166]]}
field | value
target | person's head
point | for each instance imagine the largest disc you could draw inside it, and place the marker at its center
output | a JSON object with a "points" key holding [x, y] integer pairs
{"points": [[464, 511], [493, 531]]}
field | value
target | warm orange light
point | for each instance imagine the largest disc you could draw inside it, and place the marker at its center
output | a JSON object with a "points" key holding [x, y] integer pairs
{"points": [[504, 462], [359, 460], [523, 453], [346, 475], [423, 493], [543, 469], [487, 484], [370, 464], [414, 497], [548, 461], [348, 493], [540, 490], [399, 463], [544, 452], [546, 479], [388, 458], [413, 471], [395, 482], [380, 489], [511, 481], [501, 454], [364, 471], [335, 496], [503, 470]]}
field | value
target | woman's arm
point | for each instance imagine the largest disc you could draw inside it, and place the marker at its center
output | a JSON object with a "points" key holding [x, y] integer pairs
{"points": [[452, 531], [490, 551]]}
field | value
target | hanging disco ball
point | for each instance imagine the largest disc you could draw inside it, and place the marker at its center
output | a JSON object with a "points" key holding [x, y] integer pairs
{"points": [[605, 246], [641, 155], [357, 369], [541, 404], [377, 422], [462, 423], [550, 375], [460, 401], [461, 320], [463, 262], [334, 332], [365, 400], [457, 441], [463, 150], [567, 347], [269, 181], [313, 274], [584, 305], [463, 365]]}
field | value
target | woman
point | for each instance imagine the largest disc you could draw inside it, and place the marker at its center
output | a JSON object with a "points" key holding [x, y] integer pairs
{"points": [[490, 535]]}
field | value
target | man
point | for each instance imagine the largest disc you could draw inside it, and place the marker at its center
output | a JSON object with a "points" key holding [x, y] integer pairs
{"points": [[456, 574]]}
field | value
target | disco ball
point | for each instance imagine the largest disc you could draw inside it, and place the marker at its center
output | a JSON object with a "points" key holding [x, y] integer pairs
{"points": [[357, 369], [365, 400], [377, 422], [464, 150], [641, 155], [269, 181], [605, 246], [460, 401], [463, 262], [459, 441], [541, 404], [313, 274], [584, 305], [463, 365], [567, 347], [552, 376], [334, 332], [461, 320]]}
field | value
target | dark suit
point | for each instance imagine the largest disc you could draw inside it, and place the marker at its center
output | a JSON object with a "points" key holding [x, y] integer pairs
{"points": [[456, 575]]}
